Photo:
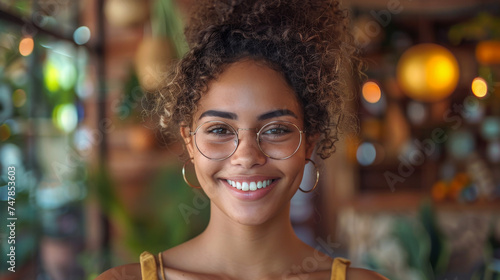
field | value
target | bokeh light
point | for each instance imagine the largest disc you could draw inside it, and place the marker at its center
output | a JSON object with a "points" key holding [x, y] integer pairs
{"points": [[417, 112], [461, 144], [479, 87], [59, 71], [83, 139], [473, 110], [6, 110], [470, 193], [439, 190], [81, 35], [490, 128], [19, 98], [51, 76], [14, 126], [4, 132], [65, 117], [378, 108], [366, 153], [427, 72], [67, 74], [371, 92], [493, 151], [488, 52], [10, 154], [26, 46]]}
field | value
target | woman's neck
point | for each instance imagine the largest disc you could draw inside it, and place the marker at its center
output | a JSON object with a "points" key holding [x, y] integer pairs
{"points": [[252, 251]]}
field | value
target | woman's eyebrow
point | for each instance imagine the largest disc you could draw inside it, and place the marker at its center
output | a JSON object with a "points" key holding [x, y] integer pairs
{"points": [[233, 116], [220, 114], [277, 113]]}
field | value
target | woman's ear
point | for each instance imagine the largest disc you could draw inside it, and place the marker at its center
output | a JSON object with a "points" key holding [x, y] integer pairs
{"points": [[186, 137], [311, 141]]}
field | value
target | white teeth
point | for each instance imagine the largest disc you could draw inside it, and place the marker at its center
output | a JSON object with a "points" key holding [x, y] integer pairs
{"points": [[249, 186]]}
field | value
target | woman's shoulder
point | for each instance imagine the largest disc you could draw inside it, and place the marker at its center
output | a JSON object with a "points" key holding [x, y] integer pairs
{"points": [[365, 274], [130, 271]]}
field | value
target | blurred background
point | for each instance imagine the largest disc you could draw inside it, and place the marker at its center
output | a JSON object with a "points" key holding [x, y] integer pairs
{"points": [[414, 195]]}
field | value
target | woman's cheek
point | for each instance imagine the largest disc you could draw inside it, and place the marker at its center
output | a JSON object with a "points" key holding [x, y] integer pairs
{"points": [[205, 172]]}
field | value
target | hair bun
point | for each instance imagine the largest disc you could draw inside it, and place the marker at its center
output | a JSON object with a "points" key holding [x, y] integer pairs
{"points": [[304, 19]]}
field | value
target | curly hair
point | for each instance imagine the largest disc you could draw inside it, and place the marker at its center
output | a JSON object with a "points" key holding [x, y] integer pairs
{"points": [[305, 40]]}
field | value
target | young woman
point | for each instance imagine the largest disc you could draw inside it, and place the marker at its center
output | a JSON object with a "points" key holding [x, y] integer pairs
{"points": [[259, 92]]}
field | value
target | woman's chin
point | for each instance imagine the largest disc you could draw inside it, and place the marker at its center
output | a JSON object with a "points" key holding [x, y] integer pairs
{"points": [[249, 221], [250, 217]]}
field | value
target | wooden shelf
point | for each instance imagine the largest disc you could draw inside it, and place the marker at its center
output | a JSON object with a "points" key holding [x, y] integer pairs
{"points": [[411, 201]]}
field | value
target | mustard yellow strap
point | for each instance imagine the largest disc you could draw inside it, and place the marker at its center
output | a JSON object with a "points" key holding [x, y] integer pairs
{"points": [[161, 266], [339, 268], [148, 266]]}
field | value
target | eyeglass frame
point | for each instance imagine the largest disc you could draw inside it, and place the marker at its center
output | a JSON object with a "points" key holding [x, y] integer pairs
{"points": [[237, 130]]}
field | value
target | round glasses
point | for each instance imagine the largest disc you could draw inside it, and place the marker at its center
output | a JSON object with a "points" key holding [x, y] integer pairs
{"points": [[217, 140]]}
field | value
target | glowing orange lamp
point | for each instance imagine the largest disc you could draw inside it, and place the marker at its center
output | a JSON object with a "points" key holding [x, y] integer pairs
{"points": [[427, 72], [479, 87], [26, 46], [488, 52], [371, 92]]}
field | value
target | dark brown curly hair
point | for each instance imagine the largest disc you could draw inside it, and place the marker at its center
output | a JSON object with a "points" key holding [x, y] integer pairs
{"points": [[305, 40]]}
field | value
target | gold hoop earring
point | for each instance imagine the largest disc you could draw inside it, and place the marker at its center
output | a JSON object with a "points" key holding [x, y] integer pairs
{"points": [[185, 178], [317, 177]]}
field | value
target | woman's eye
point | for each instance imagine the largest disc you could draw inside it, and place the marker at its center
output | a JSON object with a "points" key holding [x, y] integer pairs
{"points": [[280, 130], [219, 130]]}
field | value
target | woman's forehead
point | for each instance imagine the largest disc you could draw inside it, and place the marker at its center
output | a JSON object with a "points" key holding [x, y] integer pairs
{"points": [[249, 87]]}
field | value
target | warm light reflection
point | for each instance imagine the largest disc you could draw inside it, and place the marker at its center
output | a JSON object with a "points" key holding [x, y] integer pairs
{"points": [[488, 52], [371, 92], [4, 132], [479, 87], [427, 72], [19, 98], [440, 70], [26, 46]]}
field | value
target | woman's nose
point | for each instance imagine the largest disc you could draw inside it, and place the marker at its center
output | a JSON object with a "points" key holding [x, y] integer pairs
{"points": [[248, 153]]}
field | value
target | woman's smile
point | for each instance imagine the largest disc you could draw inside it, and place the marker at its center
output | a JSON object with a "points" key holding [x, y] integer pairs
{"points": [[250, 188]]}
